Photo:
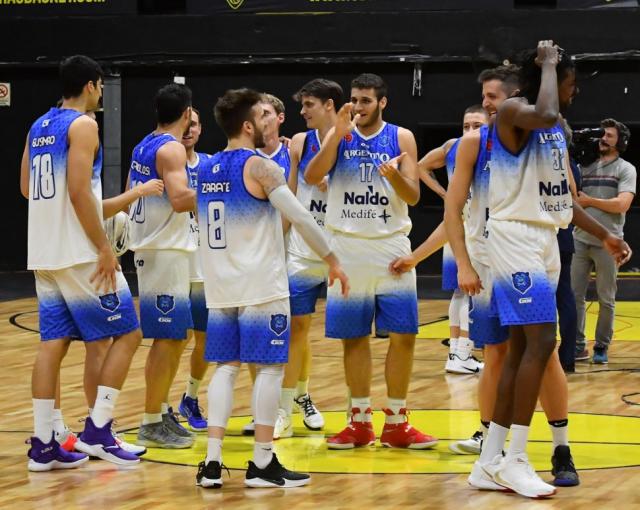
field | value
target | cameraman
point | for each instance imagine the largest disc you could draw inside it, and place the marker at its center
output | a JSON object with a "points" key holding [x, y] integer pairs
{"points": [[608, 188]]}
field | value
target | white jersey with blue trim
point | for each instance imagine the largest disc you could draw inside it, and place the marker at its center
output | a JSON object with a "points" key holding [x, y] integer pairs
{"points": [[195, 264], [532, 185], [361, 202], [478, 205], [311, 198], [56, 237], [280, 157], [241, 240], [155, 225]]}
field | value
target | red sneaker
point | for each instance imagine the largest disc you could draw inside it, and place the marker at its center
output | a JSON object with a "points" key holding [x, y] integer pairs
{"points": [[403, 435], [357, 433]]}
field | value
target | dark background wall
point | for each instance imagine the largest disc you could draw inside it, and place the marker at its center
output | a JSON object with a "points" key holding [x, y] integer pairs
{"points": [[279, 53]]}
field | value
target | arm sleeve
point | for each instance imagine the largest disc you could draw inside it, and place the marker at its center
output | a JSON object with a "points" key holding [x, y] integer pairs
{"points": [[285, 201]]}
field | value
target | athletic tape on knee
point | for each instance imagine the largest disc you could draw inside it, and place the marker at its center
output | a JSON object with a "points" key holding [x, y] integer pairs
{"points": [[220, 395], [266, 394]]}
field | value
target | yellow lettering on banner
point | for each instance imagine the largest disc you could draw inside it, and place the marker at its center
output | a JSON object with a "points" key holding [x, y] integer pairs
{"points": [[36, 3]]}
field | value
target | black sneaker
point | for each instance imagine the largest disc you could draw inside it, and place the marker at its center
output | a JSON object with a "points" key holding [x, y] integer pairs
{"points": [[563, 471], [274, 475], [210, 474]]}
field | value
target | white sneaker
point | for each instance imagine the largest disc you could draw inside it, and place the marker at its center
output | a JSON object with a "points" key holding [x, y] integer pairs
{"points": [[518, 475], [457, 365], [249, 429], [311, 417], [128, 447], [469, 446], [481, 480], [283, 427]]}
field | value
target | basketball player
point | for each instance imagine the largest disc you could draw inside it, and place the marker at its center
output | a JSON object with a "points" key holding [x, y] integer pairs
{"points": [[163, 245], [81, 291], [306, 271], [274, 149], [529, 197], [189, 406], [373, 178], [240, 197]]}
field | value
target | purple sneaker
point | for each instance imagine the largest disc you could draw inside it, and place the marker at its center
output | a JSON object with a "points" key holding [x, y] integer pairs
{"points": [[45, 457], [99, 442]]}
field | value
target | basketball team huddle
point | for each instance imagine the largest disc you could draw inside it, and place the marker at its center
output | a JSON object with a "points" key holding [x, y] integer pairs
{"points": [[237, 247]]}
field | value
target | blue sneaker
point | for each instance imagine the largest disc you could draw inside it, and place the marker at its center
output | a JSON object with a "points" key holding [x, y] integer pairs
{"points": [[190, 409], [600, 356], [99, 442], [45, 457]]}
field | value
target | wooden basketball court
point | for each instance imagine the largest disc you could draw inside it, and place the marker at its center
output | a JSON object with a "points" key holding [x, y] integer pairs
{"points": [[604, 433]]}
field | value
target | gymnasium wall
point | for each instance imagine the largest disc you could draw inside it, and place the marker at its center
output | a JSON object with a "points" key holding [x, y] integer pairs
{"points": [[279, 53]]}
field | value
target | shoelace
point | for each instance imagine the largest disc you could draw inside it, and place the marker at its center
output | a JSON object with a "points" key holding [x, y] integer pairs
{"points": [[308, 407], [477, 436]]}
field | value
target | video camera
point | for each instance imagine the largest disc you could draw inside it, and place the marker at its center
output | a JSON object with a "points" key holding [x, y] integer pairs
{"points": [[584, 148]]}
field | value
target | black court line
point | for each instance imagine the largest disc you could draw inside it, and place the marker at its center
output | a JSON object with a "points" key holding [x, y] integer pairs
{"points": [[627, 400], [14, 320]]}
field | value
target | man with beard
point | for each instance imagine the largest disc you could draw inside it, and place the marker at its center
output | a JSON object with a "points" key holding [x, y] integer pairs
{"points": [[240, 198], [608, 188], [373, 178]]}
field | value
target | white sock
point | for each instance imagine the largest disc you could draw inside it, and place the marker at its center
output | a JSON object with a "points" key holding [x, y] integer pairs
{"points": [[493, 442], [58, 421], [103, 408], [362, 403], [395, 404], [464, 348], [484, 429], [164, 408], [193, 385], [266, 394], [262, 454], [302, 388], [518, 443], [220, 395], [214, 450], [559, 432], [43, 419], [286, 400], [453, 344], [150, 418]]}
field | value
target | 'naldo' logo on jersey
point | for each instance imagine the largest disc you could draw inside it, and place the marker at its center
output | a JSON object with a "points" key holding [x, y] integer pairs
{"points": [[110, 302], [165, 303], [278, 323], [521, 281]]}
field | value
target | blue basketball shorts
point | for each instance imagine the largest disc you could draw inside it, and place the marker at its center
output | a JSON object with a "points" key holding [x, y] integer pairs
{"points": [[69, 306], [306, 280], [250, 334]]}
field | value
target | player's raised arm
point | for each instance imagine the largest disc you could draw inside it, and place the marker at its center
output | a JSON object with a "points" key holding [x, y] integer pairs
{"points": [[457, 194], [402, 171], [83, 142], [269, 176], [172, 161], [112, 206], [324, 161]]}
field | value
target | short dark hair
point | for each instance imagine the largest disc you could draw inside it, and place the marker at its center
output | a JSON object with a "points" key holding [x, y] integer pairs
{"points": [[234, 108], [624, 134], [76, 72], [508, 74], [171, 101], [322, 89], [475, 108], [371, 81], [531, 73]]}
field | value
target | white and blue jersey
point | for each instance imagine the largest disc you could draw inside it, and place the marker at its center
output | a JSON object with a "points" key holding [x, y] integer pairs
{"points": [[155, 225], [56, 237], [529, 199], [449, 267], [60, 252], [361, 202], [280, 157], [245, 278]]}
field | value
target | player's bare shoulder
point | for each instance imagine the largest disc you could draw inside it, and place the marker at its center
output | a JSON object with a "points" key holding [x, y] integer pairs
{"points": [[297, 144], [83, 126], [266, 173]]}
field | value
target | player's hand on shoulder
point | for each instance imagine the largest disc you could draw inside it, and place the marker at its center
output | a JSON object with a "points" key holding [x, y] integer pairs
{"points": [[469, 281], [153, 187], [547, 53], [402, 264], [617, 248], [104, 277]]}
